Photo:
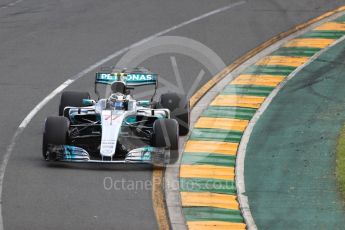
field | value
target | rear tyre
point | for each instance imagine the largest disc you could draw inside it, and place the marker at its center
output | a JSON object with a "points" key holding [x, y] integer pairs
{"points": [[71, 98], [55, 132], [179, 110], [166, 134]]}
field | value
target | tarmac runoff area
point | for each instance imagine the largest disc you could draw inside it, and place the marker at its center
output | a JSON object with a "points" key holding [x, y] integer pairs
{"points": [[207, 173]]}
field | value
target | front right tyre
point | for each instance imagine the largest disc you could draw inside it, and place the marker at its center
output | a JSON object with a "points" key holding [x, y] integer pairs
{"points": [[166, 134]]}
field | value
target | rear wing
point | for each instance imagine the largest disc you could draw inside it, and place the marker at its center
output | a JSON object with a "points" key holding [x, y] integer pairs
{"points": [[130, 79], [135, 77]]}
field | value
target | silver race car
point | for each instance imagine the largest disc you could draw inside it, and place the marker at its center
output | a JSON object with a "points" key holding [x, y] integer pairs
{"points": [[117, 128]]}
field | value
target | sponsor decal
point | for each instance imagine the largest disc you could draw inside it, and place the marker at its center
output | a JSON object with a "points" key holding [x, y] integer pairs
{"points": [[108, 145], [106, 76], [140, 77], [112, 117]]}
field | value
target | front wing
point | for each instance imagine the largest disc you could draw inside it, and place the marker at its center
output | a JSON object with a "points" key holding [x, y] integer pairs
{"points": [[73, 154]]}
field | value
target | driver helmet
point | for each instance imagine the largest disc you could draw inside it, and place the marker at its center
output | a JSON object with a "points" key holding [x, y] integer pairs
{"points": [[118, 101]]}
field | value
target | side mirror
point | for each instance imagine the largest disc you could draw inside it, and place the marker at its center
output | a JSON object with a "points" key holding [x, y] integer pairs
{"points": [[89, 102], [144, 103]]}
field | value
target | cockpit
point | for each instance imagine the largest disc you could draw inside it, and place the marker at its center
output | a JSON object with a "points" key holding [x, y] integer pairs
{"points": [[118, 101]]}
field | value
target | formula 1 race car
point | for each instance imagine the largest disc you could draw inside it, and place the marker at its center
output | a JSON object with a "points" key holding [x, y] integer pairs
{"points": [[117, 128]]}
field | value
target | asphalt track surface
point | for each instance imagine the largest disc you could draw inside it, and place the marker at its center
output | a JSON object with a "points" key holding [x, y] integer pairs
{"points": [[43, 43]]}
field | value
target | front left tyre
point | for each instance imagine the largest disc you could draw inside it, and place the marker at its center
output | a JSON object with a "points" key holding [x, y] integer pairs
{"points": [[55, 133]]}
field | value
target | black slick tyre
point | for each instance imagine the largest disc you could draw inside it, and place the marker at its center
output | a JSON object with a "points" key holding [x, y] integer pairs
{"points": [[71, 98], [179, 109], [55, 133], [166, 134]]}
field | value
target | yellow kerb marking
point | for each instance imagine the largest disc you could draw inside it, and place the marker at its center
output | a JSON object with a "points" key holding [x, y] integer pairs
{"points": [[215, 225], [342, 8], [262, 80], [158, 199], [310, 42], [207, 171], [338, 26], [283, 61], [221, 123], [239, 101], [218, 225], [207, 199], [200, 93], [226, 148]]}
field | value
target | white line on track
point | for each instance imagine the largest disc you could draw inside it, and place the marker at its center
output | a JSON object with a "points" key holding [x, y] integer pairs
{"points": [[10, 4], [72, 79]]}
